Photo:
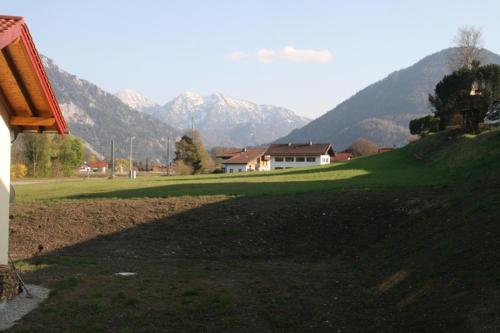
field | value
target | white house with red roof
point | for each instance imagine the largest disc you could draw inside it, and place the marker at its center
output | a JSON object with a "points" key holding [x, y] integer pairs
{"points": [[247, 159], [295, 155]]}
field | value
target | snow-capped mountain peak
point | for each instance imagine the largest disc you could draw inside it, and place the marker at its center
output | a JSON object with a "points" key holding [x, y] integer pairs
{"points": [[228, 121], [134, 99]]}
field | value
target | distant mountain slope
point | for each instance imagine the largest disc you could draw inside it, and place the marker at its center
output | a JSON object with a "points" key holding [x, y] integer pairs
{"points": [[227, 121], [98, 116], [382, 111]]}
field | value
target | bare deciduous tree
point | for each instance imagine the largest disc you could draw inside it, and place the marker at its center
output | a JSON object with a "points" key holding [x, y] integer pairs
{"points": [[469, 44]]}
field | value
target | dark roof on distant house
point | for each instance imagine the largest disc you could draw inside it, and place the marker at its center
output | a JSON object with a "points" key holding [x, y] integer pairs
{"points": [[96, 165], [300, 149], [228, 152], [246, 156]]}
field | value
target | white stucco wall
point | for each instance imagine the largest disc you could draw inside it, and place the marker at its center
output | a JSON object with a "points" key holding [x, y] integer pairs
{"points": [[320, 160], [4, 186], [236, 168]]}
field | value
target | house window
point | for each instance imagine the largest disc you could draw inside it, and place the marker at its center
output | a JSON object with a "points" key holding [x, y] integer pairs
{"points": [[231, 170], [278, 159], [311, 159], [240, 170], [288, 159], [300, 159]]}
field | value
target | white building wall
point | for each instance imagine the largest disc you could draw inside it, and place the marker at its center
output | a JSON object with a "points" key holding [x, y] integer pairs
{"points": [[319, 160], [236, 168], [4, 186], [266, 167]]}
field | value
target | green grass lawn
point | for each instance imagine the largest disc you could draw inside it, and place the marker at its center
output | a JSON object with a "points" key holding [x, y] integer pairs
{"points": [[438, 160], [387, 170]]}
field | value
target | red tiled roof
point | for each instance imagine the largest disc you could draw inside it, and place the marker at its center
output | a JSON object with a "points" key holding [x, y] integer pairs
{"points": [[10, 29], [245, 157], [385, 149], [340, 157], [20, 53], [96, 165], [300, 149]]}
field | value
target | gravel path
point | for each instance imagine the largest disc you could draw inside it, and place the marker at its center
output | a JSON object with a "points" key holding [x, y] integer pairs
{"points": [[12, 311]]}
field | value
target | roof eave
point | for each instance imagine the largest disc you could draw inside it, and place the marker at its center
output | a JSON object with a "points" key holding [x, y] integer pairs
{"points": [[20, 31], [39, 69]]}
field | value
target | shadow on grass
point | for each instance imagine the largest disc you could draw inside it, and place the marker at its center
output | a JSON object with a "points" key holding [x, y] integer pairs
{"points": [[217, 266], [263, 264]]}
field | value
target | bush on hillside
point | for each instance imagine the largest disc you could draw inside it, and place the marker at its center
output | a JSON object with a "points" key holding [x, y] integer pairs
{"points": [[424, 125], [362, 147]]}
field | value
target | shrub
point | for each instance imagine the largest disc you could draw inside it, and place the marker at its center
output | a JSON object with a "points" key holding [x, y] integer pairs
{"points": [[18, 171], [362, 147], [424, 125]]}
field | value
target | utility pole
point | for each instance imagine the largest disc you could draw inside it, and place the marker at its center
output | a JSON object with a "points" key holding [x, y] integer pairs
{"points": [[168, 156], [130, 159], [112, 158]]}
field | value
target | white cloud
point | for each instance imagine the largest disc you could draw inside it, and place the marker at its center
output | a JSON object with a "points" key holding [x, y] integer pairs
{"points": [[292, 54], [266, 56], [236, 56], [288, 54]]}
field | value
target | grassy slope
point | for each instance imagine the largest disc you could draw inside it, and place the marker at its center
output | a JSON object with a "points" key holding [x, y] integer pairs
{"points": [[394, 170], [419, 256], [436, 161]]}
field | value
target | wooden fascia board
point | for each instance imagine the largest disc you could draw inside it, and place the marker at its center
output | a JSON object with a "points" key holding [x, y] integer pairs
{"points": [[31, 121]]}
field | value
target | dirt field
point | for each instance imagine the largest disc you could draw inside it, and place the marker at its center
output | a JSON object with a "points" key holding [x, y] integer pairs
{"points": [[349, 261]]}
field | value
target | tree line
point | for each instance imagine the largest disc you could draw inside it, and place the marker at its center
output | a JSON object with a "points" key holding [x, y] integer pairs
{"points": [[45, 155]]}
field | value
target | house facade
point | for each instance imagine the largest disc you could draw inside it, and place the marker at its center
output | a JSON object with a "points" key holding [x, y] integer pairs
{"points": [[293, 155], [252, 159], [27, 104]]}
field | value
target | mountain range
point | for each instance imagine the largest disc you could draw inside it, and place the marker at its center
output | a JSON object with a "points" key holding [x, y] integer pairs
{"points": [[97, 116], [222, 120], [382, 111]]}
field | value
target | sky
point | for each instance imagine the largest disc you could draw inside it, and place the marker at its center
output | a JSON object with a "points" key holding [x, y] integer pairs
{"points": [[306, 55]]}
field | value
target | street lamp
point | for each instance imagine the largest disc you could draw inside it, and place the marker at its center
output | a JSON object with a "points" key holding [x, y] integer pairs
{"points": [[130, 171]]}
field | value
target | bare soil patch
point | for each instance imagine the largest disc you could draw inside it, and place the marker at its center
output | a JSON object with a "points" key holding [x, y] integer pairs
{"points": [[352, 261]]}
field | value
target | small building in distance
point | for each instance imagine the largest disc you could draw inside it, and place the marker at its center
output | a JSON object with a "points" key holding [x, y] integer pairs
{"points": [[294, 155], [99, 167], [251, 159], [341, 157], [385, 149]]}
